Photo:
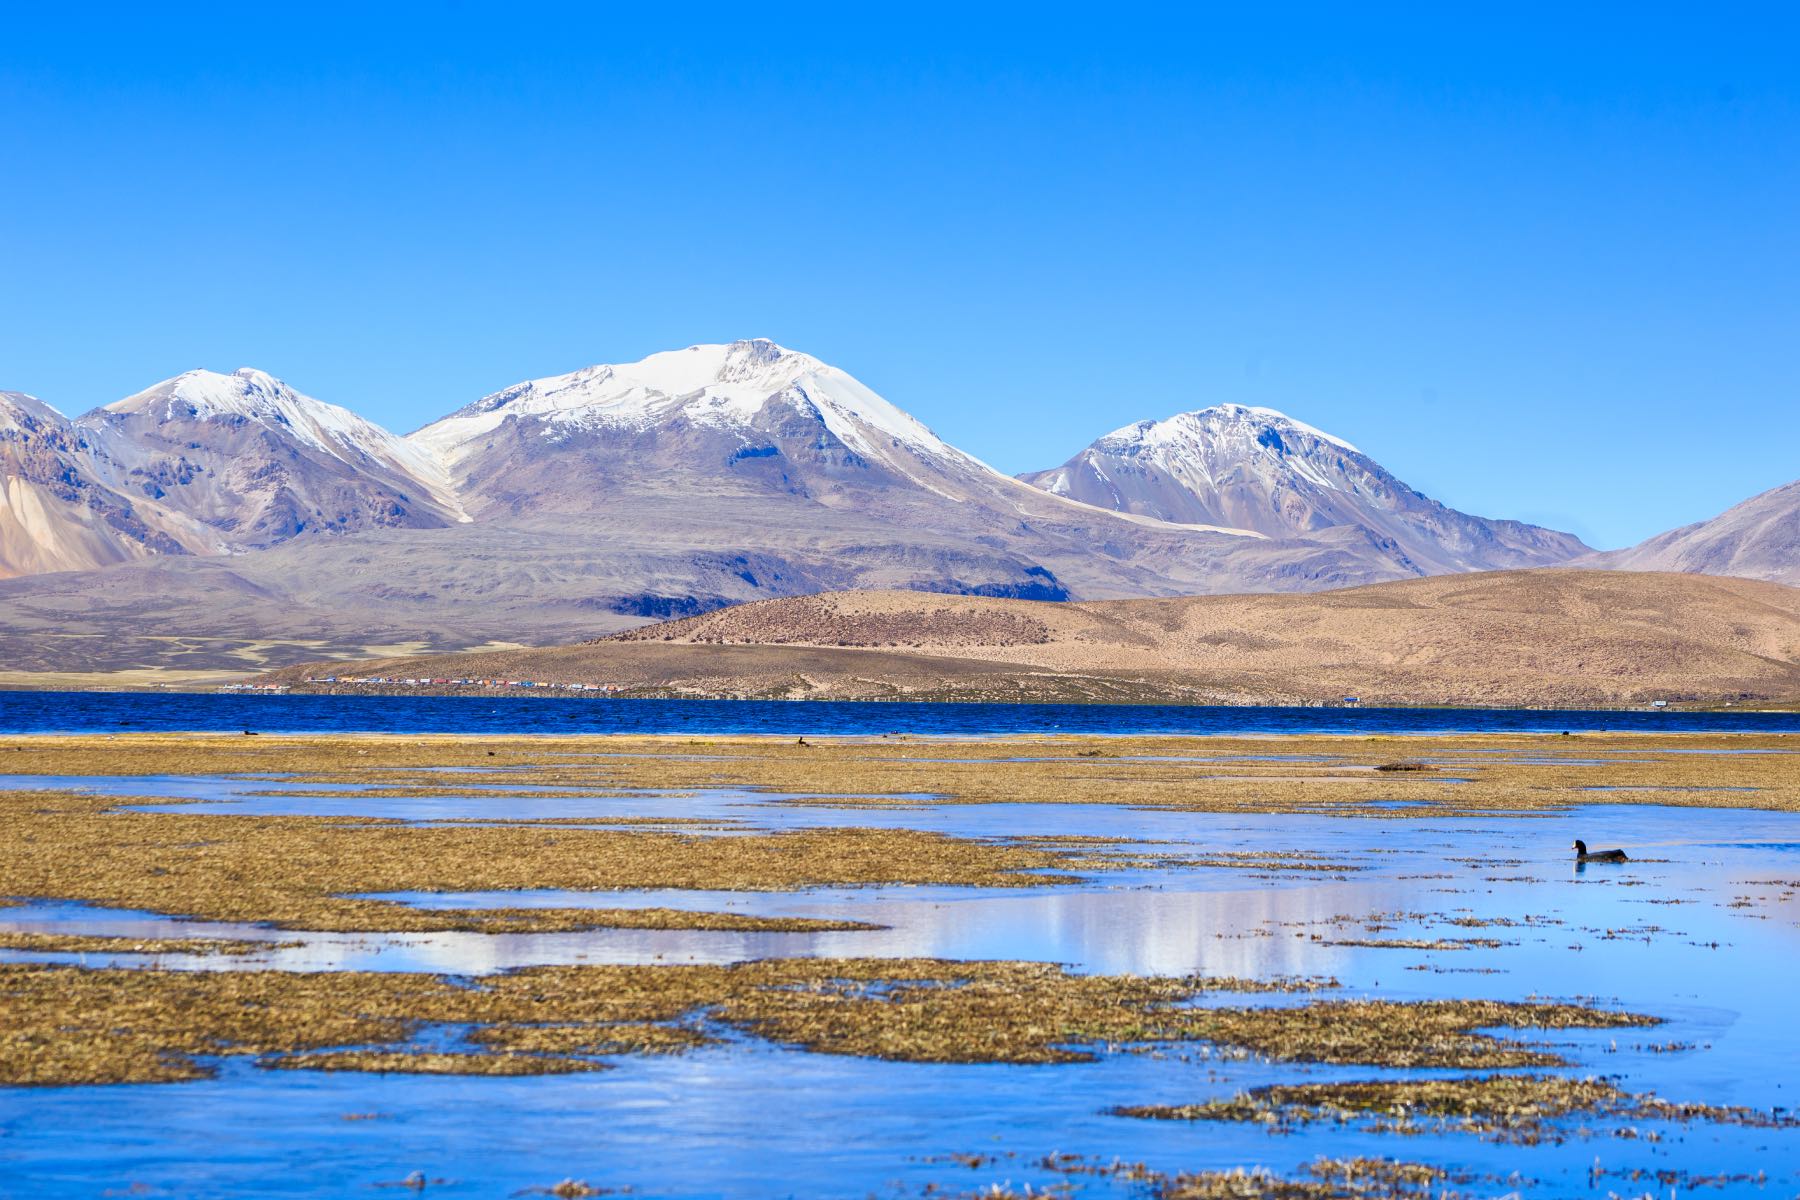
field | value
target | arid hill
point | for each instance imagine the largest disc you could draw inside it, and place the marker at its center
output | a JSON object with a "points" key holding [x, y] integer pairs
{"points": [[1758, 539], [1519, 637]]}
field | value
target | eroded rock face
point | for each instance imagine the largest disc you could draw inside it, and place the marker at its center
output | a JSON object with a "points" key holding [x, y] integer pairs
{"points": [[55, 512]]}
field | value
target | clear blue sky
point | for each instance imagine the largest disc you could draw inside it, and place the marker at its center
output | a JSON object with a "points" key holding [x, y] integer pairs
{"points": [[1542, 263]]}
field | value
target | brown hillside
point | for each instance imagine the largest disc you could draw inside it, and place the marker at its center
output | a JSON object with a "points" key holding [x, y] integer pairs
{"points": [[1528, 637]]}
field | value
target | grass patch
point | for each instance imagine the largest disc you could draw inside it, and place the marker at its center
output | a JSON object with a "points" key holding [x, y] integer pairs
{"points": [[65, 1025], [1514, 1108], [584, 1038], [67, 943], [1517, 773], [74, 1025], [1426, 1033], [306, 872], [402, 1062]]}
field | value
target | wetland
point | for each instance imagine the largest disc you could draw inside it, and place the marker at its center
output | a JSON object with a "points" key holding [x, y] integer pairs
{"points": [[484, 963]]}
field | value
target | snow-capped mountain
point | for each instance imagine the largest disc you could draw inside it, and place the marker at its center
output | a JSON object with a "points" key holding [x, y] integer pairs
{"points": [[749, 416], [576, 504], [250, 457], [753, 430], [1758, 539], [57, 514], [1255, 468]]}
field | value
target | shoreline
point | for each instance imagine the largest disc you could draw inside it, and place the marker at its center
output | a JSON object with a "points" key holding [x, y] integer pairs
{"points": [[552, 692], [1444, 773]]}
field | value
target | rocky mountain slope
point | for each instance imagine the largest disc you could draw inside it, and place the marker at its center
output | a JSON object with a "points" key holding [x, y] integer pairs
{"points": [[583, 503], [1758, 539], [201, 464], [57, 512], [1259, 469], [1529, 637], [250, 457], [753, 428]]}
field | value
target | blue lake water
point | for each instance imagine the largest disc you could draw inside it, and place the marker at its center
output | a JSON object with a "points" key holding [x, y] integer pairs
{"points": [[113, 712], [1700, 929], [753, 1119]]}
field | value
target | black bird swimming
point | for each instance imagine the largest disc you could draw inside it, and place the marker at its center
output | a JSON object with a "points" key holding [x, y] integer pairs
{"points": [[1583, 855]]}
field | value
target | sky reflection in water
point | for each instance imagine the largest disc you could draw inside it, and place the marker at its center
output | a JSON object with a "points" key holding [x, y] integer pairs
{"points": [[751, 1119]]}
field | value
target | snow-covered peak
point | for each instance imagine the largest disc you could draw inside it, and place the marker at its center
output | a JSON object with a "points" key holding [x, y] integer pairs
{"points": [[723, 384], [200, 395], [18, 408], [1229, 422], [1201, 451], [1255, 468], [254, 396]]}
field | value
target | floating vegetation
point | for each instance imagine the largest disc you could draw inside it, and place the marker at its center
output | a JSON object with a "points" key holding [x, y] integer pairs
{"points": [[1516, 1108], [1270, 860], [416, 1181], [571, 1189], [77, 1025], [63, 1025], [1321, 1179], [1675, 1179]]}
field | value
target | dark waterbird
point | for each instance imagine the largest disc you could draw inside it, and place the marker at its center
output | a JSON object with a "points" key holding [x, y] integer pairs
{"points": [[1582, 854]]}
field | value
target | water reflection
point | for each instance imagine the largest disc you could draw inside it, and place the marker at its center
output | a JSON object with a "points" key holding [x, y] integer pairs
{"points": [[1698, 928]]}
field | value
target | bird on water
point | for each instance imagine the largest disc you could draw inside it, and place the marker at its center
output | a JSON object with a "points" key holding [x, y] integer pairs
{"points": [[1583, 854]]}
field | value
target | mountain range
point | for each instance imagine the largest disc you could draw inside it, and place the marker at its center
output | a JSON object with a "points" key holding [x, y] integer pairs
{"points": [[227, 520]]}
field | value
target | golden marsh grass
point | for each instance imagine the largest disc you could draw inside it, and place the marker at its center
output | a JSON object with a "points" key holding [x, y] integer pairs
{"points": [[79, 1025]]}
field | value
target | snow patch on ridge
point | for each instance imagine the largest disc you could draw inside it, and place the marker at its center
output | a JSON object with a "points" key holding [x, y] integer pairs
{"points": [[17, 405], [252, 395]]}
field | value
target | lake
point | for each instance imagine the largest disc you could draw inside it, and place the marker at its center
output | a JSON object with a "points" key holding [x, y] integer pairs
{"points": [[113, 712]]}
